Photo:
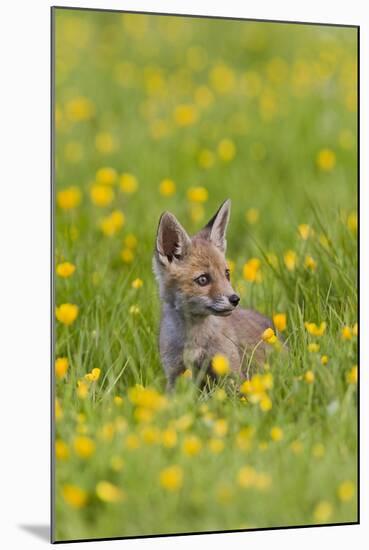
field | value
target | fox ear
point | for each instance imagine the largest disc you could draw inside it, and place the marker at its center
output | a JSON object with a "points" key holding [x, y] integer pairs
{"points": [[172, 241], [215, 229]]}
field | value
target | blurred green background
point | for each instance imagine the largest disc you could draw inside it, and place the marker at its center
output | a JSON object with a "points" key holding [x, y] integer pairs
{"points": [[157, 113]]}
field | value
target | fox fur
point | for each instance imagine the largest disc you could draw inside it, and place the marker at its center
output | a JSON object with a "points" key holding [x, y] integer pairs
{"points": [[199, 313]]}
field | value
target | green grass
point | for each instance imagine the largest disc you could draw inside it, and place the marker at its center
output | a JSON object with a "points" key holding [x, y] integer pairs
{"points": [[279, 117]]}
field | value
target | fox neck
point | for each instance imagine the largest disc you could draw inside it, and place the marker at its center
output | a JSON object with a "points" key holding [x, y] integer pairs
{"points": [[192, 324]]}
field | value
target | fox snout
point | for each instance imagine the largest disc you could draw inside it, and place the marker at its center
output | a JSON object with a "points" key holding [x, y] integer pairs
{"points": [[234, 299], [224, 304]]}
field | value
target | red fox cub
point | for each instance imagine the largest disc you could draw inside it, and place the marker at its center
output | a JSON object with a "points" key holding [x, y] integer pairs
{"points": [[199, 316]]}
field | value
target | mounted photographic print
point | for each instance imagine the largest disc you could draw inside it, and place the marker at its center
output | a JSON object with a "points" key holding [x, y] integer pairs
{"points": [[205, 242]]}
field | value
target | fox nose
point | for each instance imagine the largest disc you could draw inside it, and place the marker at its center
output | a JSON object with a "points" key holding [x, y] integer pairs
{"points": [[234, 299]]}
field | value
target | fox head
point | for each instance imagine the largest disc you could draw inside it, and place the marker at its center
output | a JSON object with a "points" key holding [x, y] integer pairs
{"points": [[192, 272]]}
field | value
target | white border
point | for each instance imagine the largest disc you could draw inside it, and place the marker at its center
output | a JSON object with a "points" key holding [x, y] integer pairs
{"points": [[24, 272]]}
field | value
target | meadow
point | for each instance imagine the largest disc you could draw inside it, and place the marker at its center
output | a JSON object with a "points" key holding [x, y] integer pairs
{"points": [[164, 113]]}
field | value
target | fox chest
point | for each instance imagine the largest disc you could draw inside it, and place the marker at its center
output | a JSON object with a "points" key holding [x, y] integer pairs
{"points": [[199, 350]]}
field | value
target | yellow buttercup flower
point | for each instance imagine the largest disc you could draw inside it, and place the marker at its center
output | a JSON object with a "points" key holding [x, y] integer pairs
{"points": [[280, 321], [105, 143], [313, 347], [269, 336], [326, 160], [107, 431], [309, 377], [80, 109], [265, 403], [137, 283], [352, 222], [61, 367], [252, 215], [290, 260], [220, 427], [65, 269], [323, 511], [206, 158], [346, 333], [107, 492], [167, 187], [246, 477], [187, 373], [134, 310], [84, 446], [169, 438], [69, 198], [252, 271], [216, 446], [81, 418], [314, 329], [117, 463], [150, 434], [147, 397], [310, 263], [130, 241], [203, 97], [262, 481], [226, 150], [74, 495], [258, 385], [171, 478], [244, 437], [66, 313], [352, 375], [61, 450], [276, 433], [304, 231], [324, 359], [296, 447], [58, 410], [94, 375], [82, 389], [132, 441], [220, 365], [112, 223], [127, 255], [185, 115], [268, 104], [191, 445], [346, 491], [118, 400], [222, 79], [197, 194], [101, 195], [106, 176], [121, 423], [318, 450], [128, 183]]}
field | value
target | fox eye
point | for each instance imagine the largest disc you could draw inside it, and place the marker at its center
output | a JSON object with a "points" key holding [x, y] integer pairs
{"points": [[227, 274], [203, 279]]}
